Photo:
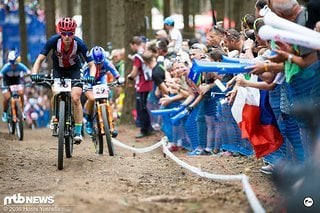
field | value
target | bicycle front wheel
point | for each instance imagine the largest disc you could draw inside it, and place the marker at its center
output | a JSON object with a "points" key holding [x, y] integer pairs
{"points": [[61, 134], [19, 122], [10, 123], [98, 137], [107, 130]]}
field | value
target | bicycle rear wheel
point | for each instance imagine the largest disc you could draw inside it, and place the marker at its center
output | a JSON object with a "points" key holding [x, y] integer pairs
{"points": [[19, 122], [61, 134], [107, 130]]}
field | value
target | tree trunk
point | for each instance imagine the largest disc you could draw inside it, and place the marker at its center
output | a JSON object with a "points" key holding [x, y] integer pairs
{"points": [[134, 25], [69, 4], [166, 8], [23, 33], [187, 31], [116, 24], [214, 20], [86, 26], [50, 8]]}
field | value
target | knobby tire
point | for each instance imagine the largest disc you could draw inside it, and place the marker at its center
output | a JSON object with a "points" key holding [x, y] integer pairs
{"points": [[19, 123], [107, 130], [61, 134]]}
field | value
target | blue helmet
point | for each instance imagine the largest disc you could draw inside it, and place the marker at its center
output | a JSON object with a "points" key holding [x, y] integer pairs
{"points": [[169, 21], [98, 54]]}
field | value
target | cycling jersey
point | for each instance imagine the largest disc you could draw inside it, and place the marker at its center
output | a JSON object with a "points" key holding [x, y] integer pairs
{"points": [[66, 60], [13, 74], [100, 77]]}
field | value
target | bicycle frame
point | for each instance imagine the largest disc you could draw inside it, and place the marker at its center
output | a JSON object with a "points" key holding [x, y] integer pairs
{"points": [[15, 98], [103, 117], [14, 112], [64, 96], [105, 102], [64, 121], [101, 95]]}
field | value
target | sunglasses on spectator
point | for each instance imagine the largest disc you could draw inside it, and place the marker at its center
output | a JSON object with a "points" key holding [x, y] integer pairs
{"points": [[70, 33]]}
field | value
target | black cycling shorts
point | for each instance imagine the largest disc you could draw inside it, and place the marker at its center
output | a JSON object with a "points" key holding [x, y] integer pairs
{"points": [[71, 73]]}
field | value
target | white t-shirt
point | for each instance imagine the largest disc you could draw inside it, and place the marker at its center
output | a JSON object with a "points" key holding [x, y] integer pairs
{"points": [[175, 34]]}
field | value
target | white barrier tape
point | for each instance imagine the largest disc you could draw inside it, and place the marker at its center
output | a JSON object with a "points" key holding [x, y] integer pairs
{"points": [[252, 199], [138, 150], [198, 170]]}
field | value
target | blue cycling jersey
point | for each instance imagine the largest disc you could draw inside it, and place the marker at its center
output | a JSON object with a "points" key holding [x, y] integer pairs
{"points": [[107, 66], [13, 74]]}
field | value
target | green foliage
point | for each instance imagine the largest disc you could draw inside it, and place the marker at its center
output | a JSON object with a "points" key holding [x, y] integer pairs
{"points": [[157, 3]]}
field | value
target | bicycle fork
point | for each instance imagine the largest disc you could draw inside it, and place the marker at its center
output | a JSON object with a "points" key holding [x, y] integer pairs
{"points": [[110, 117], [13, 108]]}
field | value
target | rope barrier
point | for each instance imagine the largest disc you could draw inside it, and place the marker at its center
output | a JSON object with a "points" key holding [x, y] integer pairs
{"points": [[252, 198]]}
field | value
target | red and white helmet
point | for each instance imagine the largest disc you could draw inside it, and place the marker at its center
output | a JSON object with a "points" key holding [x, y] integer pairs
{"points": [[67, 24]]}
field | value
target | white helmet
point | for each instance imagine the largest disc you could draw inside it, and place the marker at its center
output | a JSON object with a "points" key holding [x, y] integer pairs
{"points": [[13, 57]]}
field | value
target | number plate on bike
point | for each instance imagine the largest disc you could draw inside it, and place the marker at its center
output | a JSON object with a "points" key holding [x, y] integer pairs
{"points": [[16, 87], [62, 86], [100, 91]]}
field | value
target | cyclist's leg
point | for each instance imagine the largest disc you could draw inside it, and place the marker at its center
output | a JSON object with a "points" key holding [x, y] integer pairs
{"points": [[5, 93], [6, 97], [77, 109], [88, 106], [5, 104], [88, 111]]}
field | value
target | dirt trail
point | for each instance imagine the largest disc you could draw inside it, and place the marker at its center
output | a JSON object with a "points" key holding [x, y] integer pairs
{"points": [[146, 182]]}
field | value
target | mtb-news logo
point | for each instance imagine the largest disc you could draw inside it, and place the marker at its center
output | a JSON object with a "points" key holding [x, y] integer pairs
{"points": [[19, 199]]}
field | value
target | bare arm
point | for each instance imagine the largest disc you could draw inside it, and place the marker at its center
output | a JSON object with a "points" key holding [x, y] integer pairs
{"points": [[259, 85], [37, 63], [92, 68], [133, 73]]}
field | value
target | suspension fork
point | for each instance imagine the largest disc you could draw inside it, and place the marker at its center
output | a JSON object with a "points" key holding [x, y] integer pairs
{"points": [[13, 109], [109, 114], [13, 101]]}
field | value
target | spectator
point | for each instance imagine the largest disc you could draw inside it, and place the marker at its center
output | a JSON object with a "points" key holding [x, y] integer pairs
{"points": [[175, 37], [143, 86]]}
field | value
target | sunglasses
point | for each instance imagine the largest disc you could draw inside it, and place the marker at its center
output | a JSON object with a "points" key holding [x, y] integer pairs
{"points": [[67, 33]]}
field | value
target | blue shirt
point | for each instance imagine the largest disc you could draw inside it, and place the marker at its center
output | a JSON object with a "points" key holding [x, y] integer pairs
{"points": [[107, 66], [16, 71]]}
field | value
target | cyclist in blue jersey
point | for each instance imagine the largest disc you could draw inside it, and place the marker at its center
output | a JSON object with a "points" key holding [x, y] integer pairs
{"points": [[103, 66], [67, 50], [12, 73]]}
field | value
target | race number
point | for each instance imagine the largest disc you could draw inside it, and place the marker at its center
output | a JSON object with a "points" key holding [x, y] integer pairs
{"points": [[16, 87], [100, 91], [61, 86]]}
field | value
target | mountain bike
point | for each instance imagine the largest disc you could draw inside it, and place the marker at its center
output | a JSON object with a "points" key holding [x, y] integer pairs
{"points": [[63, 122], [103, 119], [15, 119]]}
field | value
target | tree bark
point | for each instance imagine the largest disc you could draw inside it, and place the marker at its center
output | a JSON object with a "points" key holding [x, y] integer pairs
{"points": [[50, 12], [23, 33], [166, 8], [134, 25], [86, 26]]}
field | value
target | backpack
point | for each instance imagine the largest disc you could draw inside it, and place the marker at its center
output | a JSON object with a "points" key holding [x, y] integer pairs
{"points": [[147, 71]]}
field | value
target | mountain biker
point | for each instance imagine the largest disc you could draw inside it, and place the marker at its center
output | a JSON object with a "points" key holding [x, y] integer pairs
{"points": [[12, 73], [67, 50], [103, 66]]}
